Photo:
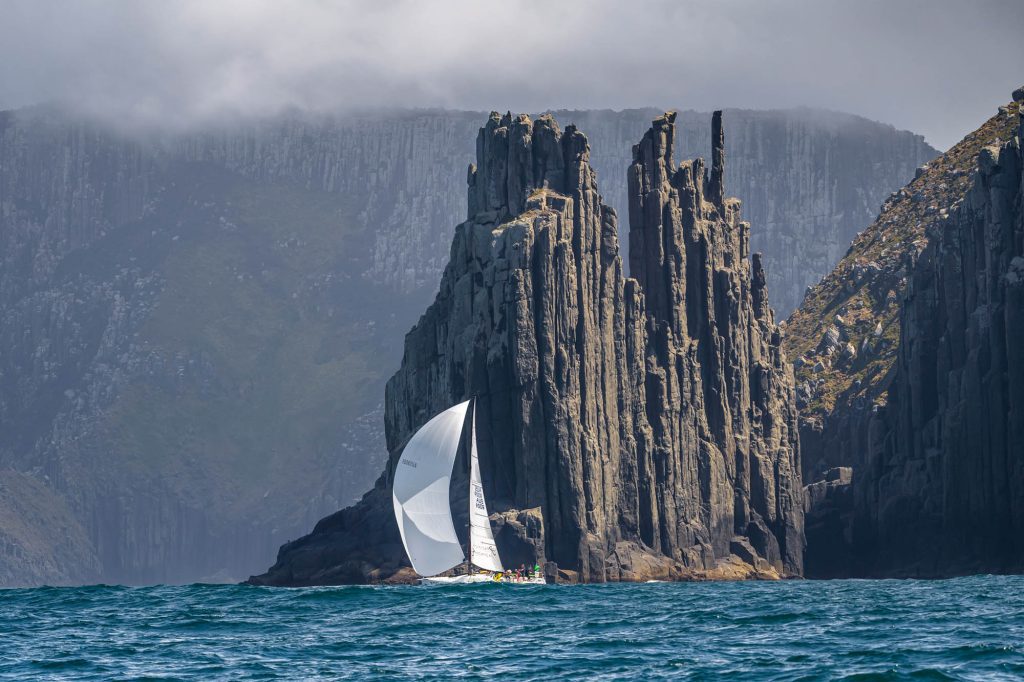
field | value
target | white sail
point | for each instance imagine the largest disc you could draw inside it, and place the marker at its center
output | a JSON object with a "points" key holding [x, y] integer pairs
{"points": [[482, 550], [420, 494]]}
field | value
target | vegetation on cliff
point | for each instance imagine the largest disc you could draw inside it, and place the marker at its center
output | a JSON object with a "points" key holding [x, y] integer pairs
{"points": [[844, 337]]}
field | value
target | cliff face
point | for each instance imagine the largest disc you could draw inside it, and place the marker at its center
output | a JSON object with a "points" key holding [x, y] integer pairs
{"points": [[181, 348], [719, 393], [907, 360], [844, 337], [648, 423], [58, 325], [196, 327], [942, 491]]}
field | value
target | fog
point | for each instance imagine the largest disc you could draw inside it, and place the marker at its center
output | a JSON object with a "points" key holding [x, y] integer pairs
{"points": [[935, 67]]}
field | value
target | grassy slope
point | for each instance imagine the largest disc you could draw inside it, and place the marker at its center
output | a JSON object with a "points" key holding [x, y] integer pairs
{"points": [[862, 302]]}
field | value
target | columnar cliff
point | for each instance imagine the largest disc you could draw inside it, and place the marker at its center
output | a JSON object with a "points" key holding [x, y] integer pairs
{"points": [[719, 393], [942, 491], [648, 423], [179, 348], [844, 337], [909, 361]]}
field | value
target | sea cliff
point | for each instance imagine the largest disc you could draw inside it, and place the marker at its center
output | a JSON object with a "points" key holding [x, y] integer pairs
{"points": [[914, 375], [630, 428]]}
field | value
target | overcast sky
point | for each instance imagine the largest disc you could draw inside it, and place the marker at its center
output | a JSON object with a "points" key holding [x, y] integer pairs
{"points": [[936, 67]]}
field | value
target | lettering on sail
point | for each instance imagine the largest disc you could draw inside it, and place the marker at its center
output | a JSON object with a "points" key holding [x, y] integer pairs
{"points": [[478, 498]]}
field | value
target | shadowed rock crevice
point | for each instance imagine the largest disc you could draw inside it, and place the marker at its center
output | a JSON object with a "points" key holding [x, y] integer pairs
{"points": [[649, 424]]}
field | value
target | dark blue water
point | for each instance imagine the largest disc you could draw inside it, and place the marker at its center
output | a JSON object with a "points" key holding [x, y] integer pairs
{"points": [[969, 628]]}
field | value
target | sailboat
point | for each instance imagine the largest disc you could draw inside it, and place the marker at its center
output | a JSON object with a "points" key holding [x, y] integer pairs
{"points": [[420, 495]]}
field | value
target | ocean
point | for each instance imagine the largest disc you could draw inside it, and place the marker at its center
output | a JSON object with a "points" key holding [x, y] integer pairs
{"points": [[966, 628]]}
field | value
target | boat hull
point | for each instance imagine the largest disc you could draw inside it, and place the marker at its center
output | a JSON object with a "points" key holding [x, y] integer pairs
{"points": [[478, 578], [457, 579]]}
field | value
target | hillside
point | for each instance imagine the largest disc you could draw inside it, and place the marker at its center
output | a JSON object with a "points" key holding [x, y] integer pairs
{"points": [[935, 439], [844, 337]]}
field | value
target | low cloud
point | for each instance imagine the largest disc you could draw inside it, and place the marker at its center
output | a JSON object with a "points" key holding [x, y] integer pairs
{"points": [[936, 67]]}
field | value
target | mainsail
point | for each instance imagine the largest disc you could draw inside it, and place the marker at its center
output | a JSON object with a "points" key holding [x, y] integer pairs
{"points": [[482, 550], [422, 478]]}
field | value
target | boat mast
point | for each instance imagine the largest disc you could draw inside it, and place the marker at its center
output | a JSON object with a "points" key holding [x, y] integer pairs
{"points": [[469, 478]]}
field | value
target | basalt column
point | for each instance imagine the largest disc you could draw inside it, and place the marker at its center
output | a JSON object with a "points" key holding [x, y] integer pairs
{"points": [[531, 318], [720, 400], [942, 492]]}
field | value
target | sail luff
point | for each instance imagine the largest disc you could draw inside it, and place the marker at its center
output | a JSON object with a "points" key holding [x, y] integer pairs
{"points": [[469, 497]]}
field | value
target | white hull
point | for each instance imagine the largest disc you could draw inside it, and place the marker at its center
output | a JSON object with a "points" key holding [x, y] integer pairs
{"points": [[478, 578], [457, 579], [526, 581]]}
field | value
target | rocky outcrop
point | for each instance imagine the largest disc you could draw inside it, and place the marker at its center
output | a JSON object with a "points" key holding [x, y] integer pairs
{"points": [[927, 410], [719, 394], [828, 519], [844, 338], [942, 491], [651, 421]]}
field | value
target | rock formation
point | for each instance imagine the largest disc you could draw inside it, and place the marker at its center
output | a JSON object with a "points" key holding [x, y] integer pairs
{"points": [[930, 420], [843, 339], [810, 180], [942, 491], [648, 424], [719, 394]]}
